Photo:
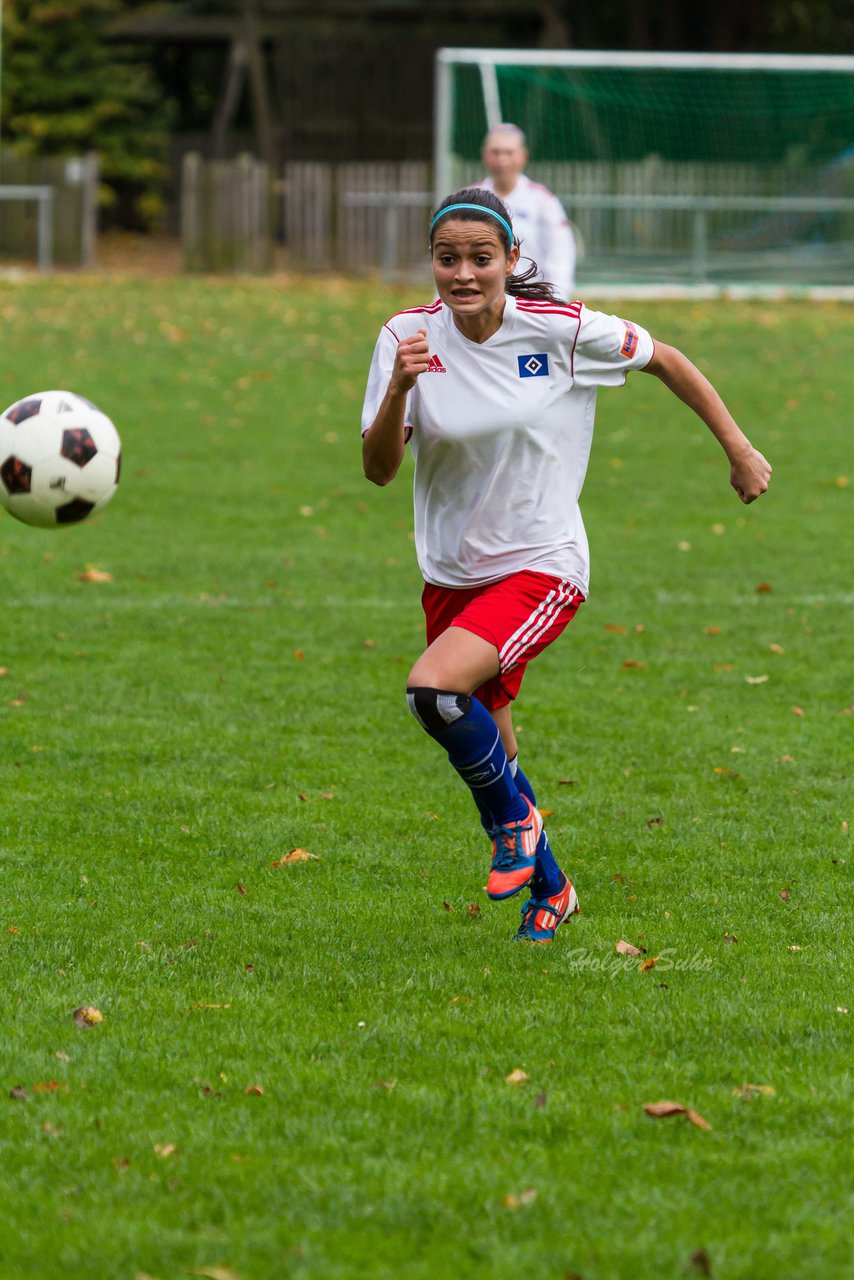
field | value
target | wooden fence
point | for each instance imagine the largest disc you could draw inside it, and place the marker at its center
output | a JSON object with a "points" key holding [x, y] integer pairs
{"points": [[650, 220], [226, 214], [74, 182]]}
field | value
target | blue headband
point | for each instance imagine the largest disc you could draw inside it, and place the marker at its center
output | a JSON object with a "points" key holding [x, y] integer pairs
{"points": [[481, 208]]}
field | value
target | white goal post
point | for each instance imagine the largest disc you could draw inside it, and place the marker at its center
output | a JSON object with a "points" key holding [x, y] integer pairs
{"points": [[683, 166]]}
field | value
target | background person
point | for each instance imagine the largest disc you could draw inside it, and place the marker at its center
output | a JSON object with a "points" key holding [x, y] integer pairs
{"points": [[495, 384], [539, 219]]}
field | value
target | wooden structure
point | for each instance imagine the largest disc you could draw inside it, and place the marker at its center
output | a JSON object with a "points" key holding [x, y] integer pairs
{"points": [[328, 80]]}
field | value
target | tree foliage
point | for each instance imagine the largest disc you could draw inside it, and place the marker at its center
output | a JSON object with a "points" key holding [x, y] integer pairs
{"points": [[67, 89]]}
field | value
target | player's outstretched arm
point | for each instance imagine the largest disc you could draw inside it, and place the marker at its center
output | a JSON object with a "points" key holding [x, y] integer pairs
{"points": [[384, 442], [750, 472]]}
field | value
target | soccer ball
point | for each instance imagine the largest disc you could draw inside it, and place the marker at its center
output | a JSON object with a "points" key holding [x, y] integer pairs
{"points": [[60, 458]]}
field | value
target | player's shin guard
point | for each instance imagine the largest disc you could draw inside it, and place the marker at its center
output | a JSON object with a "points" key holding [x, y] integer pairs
{"points": [[467, 731]]}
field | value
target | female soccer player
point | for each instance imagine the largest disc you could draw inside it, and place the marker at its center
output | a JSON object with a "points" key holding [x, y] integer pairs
{"points": [[495, 384]]}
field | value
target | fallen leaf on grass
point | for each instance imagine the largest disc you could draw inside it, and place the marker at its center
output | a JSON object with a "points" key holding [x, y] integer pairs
{"points": [[794, 948], [526, 1197], [798, 711], [713, 631], [93, 574], [784, 894], [388, 1085], [546, 813], [649, 964], [615, 626], [87, 1016], [254, 1091], [19, 1093], [756, 679], [216, 1273], [659, 1110], [49, 1086], [700, 1261], [730, 937], [764, 588], [623, 948], [750, 1091], [473, 911], [776, 648], [631, 664], [192, 1008], [517, 1076], [13, 929], [723, 666], [842, 1008], [654, 822], [165, 1149], [241, 888], [4, 671], [447, 906], [567, 782], [295, 855], [540, 1100], [724, 772]]}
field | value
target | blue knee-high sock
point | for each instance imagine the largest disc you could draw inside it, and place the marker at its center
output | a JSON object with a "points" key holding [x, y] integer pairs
{"points": [[548, 877], [467, 731], [523, 786]]}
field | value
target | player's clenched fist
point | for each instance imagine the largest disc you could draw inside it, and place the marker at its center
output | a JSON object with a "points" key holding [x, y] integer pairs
{"points": [[750, 474], [413, 355]]}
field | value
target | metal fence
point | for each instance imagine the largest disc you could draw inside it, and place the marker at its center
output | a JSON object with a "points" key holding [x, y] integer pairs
{"points": [[48, 210]]}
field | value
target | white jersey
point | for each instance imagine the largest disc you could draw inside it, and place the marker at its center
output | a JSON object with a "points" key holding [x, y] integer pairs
{"points": [[543, 231], [501, 434]]}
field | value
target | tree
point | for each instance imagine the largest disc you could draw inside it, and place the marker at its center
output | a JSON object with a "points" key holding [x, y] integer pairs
{"points": [[67, 89]]}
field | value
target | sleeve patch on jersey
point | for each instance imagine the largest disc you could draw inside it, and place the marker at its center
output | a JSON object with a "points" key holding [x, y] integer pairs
{"points": [[630, 344], [534, 366]]}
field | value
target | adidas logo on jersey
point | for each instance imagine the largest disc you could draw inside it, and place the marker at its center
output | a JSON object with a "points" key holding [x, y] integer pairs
{"points": [[435, 365]]}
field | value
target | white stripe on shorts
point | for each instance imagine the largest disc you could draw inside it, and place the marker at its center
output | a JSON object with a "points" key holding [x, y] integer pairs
{"points": [[536, 624]]}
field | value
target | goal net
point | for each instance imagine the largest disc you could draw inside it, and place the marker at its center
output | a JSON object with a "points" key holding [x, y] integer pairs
{"points": [[673, 167]]}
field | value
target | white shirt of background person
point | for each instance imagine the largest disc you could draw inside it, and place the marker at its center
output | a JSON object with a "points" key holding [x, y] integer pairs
{"points": [[539, 219]]}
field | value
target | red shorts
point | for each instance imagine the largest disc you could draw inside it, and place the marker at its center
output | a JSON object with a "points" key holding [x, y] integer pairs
{"points": [[520, 615]]}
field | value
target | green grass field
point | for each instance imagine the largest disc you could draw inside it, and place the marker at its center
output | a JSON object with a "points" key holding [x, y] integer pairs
{"points": [[301, 1070]]}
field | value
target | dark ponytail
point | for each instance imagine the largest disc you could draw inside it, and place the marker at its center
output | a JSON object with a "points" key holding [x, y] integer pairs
{"points": [[522, 285]]}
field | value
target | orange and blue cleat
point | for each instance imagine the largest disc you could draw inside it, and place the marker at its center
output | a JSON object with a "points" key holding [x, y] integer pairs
{"points": [[514, 848], [541, 916]]}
